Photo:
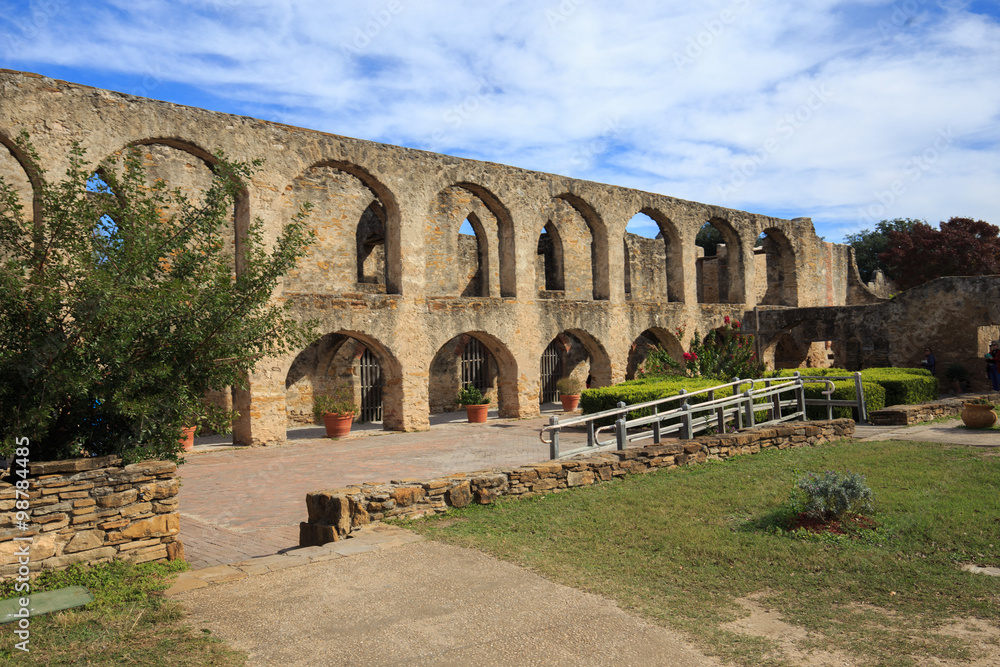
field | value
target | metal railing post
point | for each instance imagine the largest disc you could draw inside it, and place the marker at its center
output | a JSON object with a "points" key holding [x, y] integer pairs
{"points": [[620, 433], [800, 396], [859, 393], [750, 419], [687, 430], [591, 436], [554, 444], [656, 426]]}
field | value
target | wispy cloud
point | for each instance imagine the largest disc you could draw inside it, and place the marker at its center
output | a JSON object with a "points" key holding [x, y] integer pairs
{"points": [[786, 109]]}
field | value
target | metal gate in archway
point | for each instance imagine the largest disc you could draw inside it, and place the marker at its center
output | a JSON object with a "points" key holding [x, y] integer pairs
{"points": [[371, 388], [474, 366], [551, 372]]}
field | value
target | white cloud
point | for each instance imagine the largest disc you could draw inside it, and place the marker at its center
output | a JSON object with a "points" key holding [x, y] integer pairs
{"points": [[714, 101]]}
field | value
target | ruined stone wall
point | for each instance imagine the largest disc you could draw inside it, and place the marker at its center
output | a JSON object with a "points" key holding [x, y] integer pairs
{"points": [[91, 510], [333, 514], [390, 268]]}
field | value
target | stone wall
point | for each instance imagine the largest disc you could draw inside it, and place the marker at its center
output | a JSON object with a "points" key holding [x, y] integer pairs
{"points": [[92, 510], [392, 270], [904, 415], [333, 514]]}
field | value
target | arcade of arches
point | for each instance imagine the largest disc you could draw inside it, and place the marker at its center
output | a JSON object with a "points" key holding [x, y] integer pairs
{"points": [[430, 271]]}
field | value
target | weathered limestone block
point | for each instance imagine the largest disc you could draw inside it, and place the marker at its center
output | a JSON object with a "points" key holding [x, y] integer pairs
{"points": [[408, 495], [94, 555], [580, 478], [73, 465], [106, 498], [85, 540], [156, 526], [459, 495], [330, 510], [160, 489], [316, 534]]}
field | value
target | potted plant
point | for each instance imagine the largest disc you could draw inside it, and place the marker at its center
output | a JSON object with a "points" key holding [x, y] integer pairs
{"points": [[957, 375], [978, 413], [569, 392], [336, 409], [476, 405], [199, 414]]}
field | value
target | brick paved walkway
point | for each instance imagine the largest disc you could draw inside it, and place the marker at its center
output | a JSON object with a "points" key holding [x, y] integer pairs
{"points": [[239, 503]]}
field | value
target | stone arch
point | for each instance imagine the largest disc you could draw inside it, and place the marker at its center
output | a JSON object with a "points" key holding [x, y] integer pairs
{"points": [[550, 267], [722, 278], [166, 158], [584, 357], [445, 373], [776, 277], [356, 220], [18, 171], [600, 288], [334, 358], [457, 264], [654, 269], [648, 340]]}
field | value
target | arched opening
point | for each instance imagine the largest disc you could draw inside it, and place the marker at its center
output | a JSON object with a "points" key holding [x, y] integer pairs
{"points": [[776, 282], [549, 267], [356, 222], [17, 174], [469, 244], [473, 359], [572, 354], [653, 269], [344, 359], [649, 340], [719, 265], [585, 248], [370, 238]]}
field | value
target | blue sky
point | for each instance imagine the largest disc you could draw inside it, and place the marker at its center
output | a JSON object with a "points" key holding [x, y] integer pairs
{"points": [[846, 112]]}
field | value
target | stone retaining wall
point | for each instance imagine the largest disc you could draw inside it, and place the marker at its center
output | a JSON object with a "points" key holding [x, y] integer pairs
{"points": [[333, 514], [904, 415], [91, 510]]}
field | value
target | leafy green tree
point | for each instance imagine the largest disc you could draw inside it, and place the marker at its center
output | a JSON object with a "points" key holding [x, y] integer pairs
{"points": [[868, 245], [961, 247], [120, 307]]}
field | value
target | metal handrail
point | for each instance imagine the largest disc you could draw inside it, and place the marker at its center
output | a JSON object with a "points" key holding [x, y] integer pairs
{"points": [[740, 407]]}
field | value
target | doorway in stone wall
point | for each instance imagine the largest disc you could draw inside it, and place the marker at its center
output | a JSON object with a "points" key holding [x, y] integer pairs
{"points": [[370, 374], [552, 370]]}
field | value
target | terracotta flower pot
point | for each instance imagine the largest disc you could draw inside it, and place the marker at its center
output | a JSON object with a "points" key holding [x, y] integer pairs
{"points": [[477, 414], [338, 424], [187, 439], [978, 416], [569, 401]]}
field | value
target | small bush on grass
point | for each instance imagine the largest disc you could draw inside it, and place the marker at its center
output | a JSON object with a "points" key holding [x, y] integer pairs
{"points": [[833, 495]]}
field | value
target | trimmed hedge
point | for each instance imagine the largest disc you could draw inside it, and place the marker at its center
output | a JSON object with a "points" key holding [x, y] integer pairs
{"points": [[904, 386]]}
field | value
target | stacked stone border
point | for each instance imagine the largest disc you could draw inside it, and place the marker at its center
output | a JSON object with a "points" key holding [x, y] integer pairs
{"points": [[334, 514], [905, 415], [92, 510]]}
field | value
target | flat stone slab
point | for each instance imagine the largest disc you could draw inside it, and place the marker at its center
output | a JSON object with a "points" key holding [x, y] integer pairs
{"points": [[975, 569], [44, 603]]}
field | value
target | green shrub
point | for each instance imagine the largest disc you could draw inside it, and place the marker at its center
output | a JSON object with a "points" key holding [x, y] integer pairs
{"points": [[470, 395], [904, 386], [831, 495]]}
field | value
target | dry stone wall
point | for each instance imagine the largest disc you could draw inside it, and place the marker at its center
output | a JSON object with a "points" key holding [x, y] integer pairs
{"points": [[91, 510], [332, 515]]}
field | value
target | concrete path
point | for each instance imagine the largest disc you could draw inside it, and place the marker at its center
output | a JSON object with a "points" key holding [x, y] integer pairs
{"points": [[951, 432], [422, 603]]}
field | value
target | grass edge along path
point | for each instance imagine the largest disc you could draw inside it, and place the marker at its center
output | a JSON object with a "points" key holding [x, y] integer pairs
{"points": [[681, 547], [128, 624]]}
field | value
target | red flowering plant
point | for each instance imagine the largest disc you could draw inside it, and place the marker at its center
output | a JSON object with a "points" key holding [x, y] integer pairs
{"points": [[723, 354]]}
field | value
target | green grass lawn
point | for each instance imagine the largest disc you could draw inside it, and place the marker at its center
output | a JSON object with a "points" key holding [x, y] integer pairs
{"points": [[682, 547], [128, 623]]}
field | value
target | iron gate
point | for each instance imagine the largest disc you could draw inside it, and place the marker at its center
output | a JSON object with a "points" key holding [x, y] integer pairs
{"points": [[551, 372], [474, 365], [371, 388]]}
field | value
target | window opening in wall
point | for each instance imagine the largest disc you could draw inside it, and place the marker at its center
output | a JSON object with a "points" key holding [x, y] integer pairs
{"points": [[466, 228], [550, 250], [371, 388], [371, 245], [474, 371], [551, 373]]}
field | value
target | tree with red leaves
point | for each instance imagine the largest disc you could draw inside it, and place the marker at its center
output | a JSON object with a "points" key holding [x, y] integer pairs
{"points": [[962, 247]]}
